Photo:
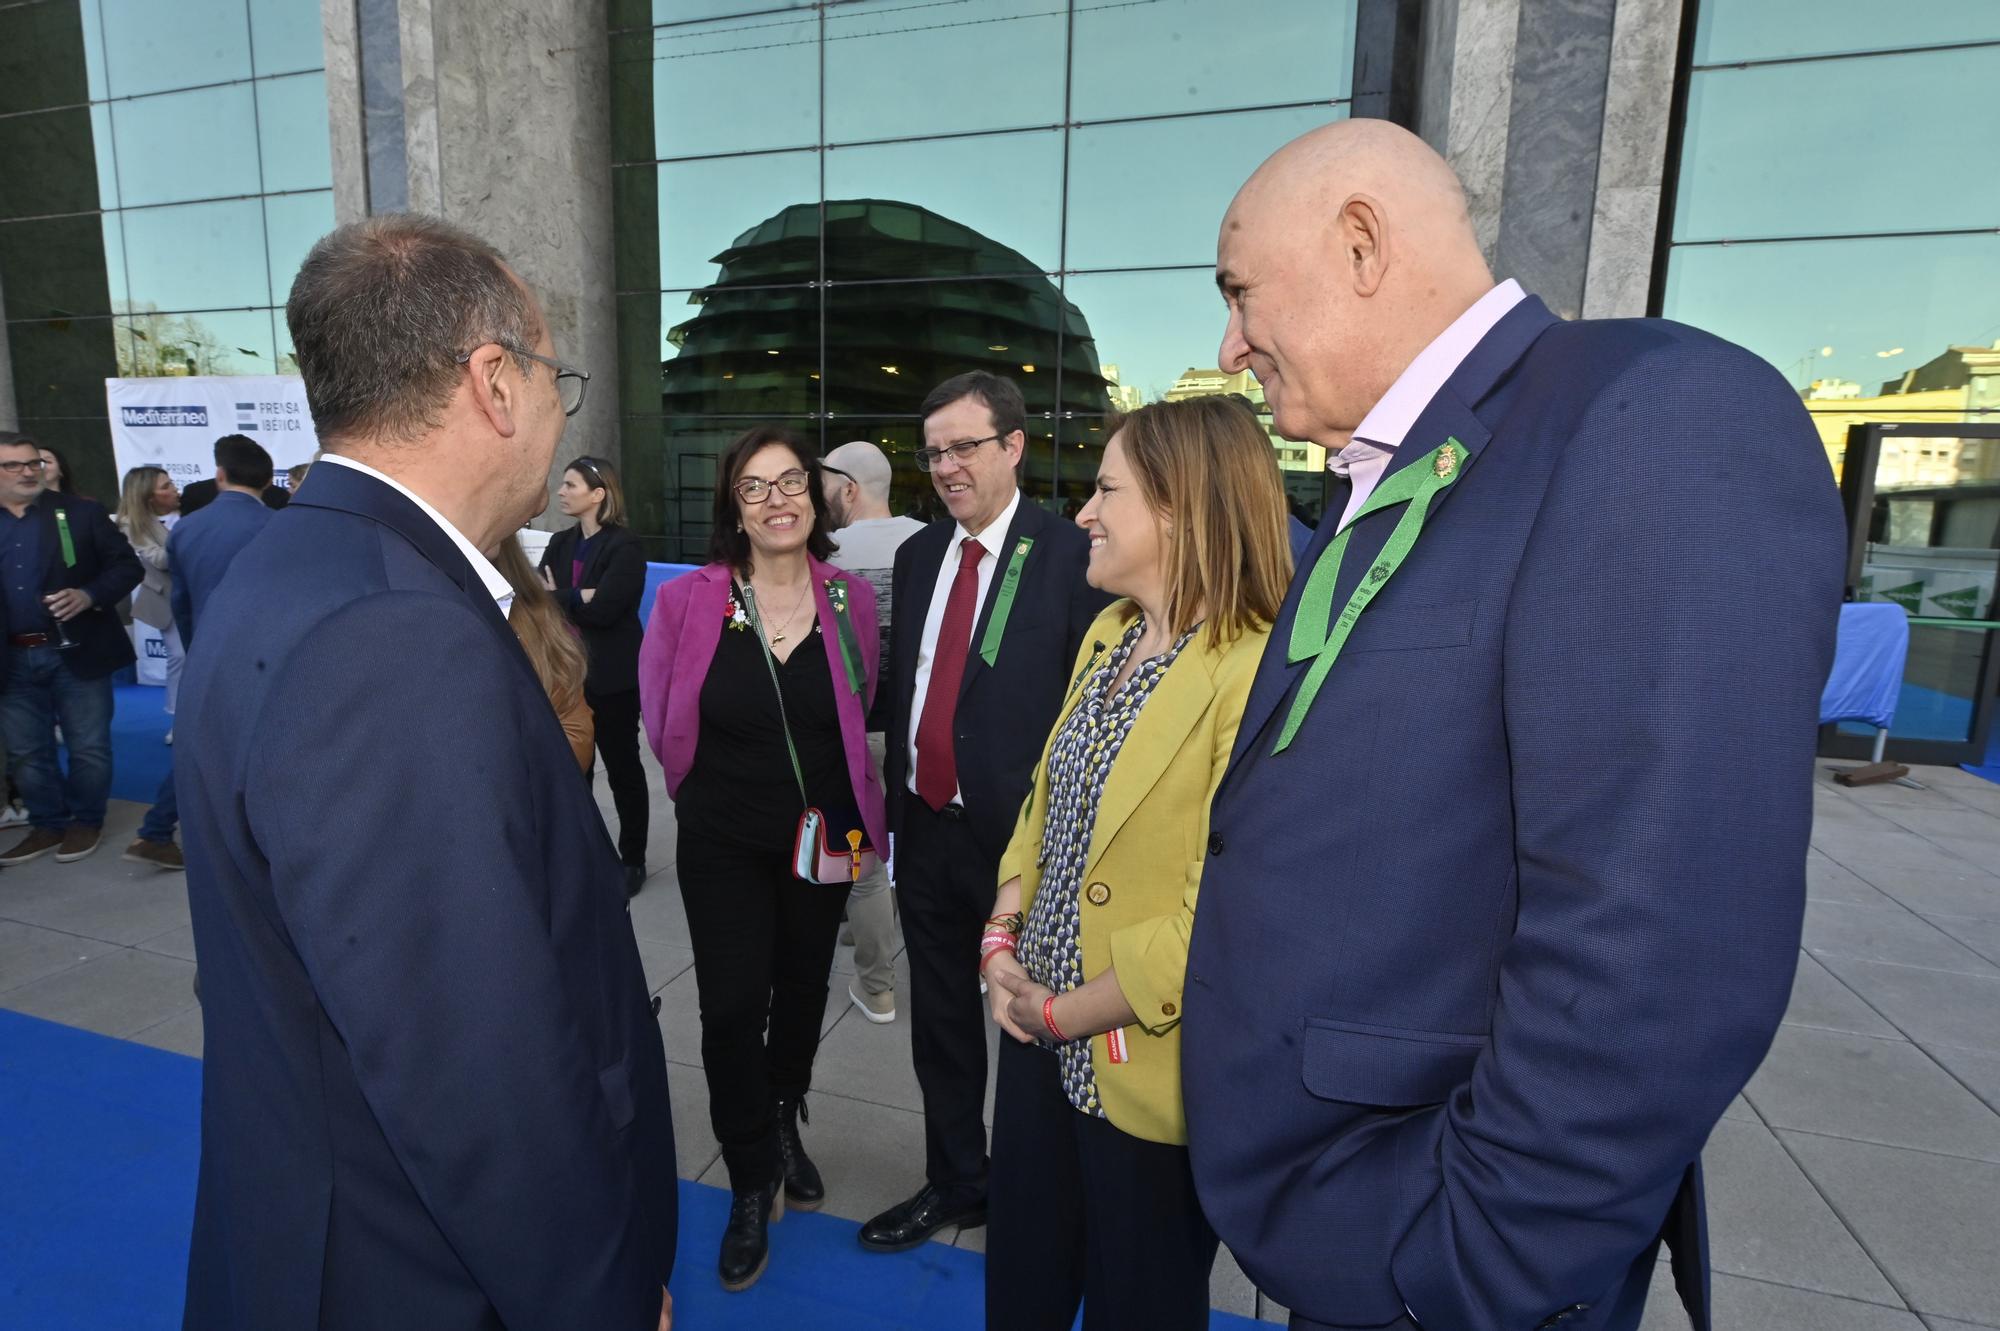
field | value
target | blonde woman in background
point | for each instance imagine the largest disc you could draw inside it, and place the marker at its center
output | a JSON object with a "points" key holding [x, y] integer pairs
{"points": [[552, 649], [149, 504], [1091, 1199]]}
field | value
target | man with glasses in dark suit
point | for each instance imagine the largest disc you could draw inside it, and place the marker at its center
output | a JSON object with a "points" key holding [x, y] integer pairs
{"points": [[991, 604]]}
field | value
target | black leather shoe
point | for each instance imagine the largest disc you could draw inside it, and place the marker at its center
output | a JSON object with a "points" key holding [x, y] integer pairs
{"points": [[746, 1245], [803, 1189], [635, 878], [904, 1226]]}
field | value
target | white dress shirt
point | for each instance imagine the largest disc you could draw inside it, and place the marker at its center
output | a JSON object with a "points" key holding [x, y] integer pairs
{"points": [[1382, 430], [491, 578], [991, 540]]}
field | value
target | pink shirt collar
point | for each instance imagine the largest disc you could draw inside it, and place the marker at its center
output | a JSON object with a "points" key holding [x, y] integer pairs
{"points": [[1383, 429]]}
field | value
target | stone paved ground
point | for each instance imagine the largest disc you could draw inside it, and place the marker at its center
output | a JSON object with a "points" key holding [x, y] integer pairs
{"points": [[1854, 1187]]}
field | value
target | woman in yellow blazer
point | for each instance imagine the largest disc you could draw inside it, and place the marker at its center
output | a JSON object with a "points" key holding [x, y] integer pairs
{"points": [[1091, 1200]]}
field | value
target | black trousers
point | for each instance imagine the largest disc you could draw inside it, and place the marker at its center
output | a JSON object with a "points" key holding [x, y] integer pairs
{"points": [[945, 887], [763, 948], [617, 719], [1079, 1212]]}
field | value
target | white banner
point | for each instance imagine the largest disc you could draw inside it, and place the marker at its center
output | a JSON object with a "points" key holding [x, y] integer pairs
{"points": [[174, 422]]}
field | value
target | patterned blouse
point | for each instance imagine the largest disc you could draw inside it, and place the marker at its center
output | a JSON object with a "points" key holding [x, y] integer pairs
{"points": [[1079, 762]]}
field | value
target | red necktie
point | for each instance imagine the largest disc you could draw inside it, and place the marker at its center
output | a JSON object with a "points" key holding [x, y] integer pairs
{"points": [[937, 761]]}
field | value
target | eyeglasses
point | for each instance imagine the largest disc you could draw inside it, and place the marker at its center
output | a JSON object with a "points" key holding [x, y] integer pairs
{"points": [[844, 475], [961, 452], [18, 468], [570, 381], [589, 467], [755, 489]]}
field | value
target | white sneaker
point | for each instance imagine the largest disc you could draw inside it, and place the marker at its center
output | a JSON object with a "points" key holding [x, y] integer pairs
{"points": [[13, 815], [878, 1008]]}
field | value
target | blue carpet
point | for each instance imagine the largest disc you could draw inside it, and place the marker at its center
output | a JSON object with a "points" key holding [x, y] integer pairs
{"points": [[97, 1175], [1990, 769]]}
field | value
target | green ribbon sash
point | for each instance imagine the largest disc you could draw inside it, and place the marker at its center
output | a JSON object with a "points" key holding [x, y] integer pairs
{"points": [[68, 545], [1415, 485], [1010, 582], [850, 646]]}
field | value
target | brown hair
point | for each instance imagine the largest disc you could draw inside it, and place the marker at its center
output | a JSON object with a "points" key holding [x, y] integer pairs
{"points": [[1208, 464], [544, 632], [727, 543], [601, 475]]}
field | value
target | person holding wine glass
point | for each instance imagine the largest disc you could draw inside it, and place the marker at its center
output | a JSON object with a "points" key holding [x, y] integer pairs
{"points": [[65, 567]]}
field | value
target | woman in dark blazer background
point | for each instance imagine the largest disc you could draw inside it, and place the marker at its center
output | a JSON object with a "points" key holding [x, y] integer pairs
{"points": [[597, 571]]}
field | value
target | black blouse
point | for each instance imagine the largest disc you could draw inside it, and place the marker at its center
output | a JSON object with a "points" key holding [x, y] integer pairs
{"points": [[741, 788]]}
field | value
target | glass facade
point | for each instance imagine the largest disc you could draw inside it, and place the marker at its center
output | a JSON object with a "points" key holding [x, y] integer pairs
{"points": [[1834, 211], [168, 165], [822, 210]]}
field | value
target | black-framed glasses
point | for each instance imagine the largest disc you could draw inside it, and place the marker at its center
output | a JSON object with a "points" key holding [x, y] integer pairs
{"points": [[21, 468], [960, 452], [571, 383], [844, 475], [591, 468], [755, 489]]}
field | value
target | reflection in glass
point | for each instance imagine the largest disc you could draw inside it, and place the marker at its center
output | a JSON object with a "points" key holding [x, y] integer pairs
{"points": [[1006, 187], [733, 86], [706, 205], [894, 70], [151, 47], [1732, 30], [291, 121], [107, 166], [1826, 147], [1152, 193], [1845, 320], [211, 342], [888, 344], [744, 351], [1207, 55], [293, 222], [196, 256], [188, 145], [41, 58], [285, 36], [681, 11]]}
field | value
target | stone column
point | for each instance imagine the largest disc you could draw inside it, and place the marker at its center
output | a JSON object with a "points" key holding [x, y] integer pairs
{"points": [[1554, 113], [494, 114]]}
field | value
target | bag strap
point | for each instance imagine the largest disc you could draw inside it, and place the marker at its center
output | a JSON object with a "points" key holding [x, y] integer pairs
{"points": [[749, 599]]}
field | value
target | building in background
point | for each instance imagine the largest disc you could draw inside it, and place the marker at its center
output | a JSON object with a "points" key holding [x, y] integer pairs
{"points": [[880, 192]]}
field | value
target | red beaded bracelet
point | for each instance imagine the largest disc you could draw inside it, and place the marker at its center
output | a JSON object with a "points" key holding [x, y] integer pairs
{"points": [[1049, 1019]]}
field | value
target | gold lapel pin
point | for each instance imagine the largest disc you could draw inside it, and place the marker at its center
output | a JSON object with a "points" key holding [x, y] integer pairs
{"points": [[1447, 462]]}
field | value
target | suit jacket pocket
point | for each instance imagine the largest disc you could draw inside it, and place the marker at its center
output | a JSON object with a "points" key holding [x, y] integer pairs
{"points": [[1403, 628], [617, 1083], [1378, 1065]]}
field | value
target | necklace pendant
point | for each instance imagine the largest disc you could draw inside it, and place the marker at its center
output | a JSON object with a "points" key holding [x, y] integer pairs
{"points": [[777, 637]]}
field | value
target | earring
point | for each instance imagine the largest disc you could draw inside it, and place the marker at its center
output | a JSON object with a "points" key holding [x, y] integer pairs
{"points": [[739, 526]]}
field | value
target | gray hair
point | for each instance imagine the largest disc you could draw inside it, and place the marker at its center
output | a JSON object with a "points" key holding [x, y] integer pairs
{"points": [[380, 312], [865, 465]]}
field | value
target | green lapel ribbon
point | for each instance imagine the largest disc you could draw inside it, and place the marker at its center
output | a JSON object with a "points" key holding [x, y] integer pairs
{"points": [[68, 545], [1415, 485], [1010, 582], [850, 646]]}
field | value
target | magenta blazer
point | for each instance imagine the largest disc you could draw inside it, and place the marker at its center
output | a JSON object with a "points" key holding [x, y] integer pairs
{"points": [[680, 642]]}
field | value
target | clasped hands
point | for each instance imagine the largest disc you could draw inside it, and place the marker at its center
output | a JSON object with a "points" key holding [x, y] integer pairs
{"points": [[1016, 1000]]}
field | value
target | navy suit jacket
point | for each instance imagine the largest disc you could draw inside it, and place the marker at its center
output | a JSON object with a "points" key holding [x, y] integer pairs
{"points": [[1004, 710], [1485, 953], [203, 545], [434, 1094]]}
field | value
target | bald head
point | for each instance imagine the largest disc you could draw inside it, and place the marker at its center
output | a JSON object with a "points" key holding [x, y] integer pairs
{"points": [[1345, 254], [857, 482]]}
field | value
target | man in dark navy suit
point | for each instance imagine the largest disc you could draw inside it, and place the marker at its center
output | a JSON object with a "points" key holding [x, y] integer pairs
{"points": [[1502, 899], [434, 1091], [991, 603], [200, 550]]}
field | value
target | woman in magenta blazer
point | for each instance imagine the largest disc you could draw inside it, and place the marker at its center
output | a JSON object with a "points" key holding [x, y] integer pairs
{"points": [[765, 639]]}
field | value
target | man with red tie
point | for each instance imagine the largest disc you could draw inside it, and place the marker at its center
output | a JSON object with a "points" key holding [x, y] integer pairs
{"points": [[991, 606]]}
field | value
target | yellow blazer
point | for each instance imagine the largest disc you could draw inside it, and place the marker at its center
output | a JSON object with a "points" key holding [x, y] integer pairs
{"points": [[1136, 906]]}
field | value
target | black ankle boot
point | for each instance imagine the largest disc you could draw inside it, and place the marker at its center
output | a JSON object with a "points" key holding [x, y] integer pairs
{"points": [[746, 1245], [803, 1189]]}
